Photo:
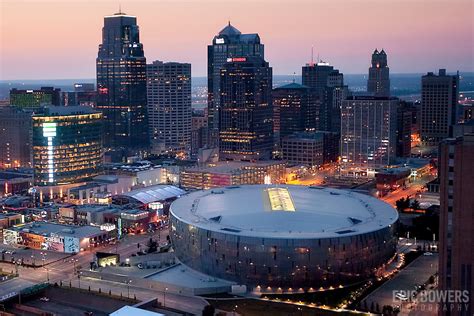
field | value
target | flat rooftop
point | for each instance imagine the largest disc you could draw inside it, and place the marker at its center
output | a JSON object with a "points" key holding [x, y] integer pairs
{"points": [[284, 211], [45, 229]]}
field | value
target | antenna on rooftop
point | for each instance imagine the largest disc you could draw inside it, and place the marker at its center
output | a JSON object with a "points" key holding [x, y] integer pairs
{"points": [[312, 55], [294, 76]]}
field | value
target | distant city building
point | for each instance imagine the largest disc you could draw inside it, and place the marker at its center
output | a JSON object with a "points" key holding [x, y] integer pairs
{"points": [[404, 128], [368, 133], [295, 109], [45, 96], [169, 107], [15, 137], [199, 131], [314, 148], [84, 94], [121, 84], [456, 252], [246, 112], [229, 43], [228, 173], [66, 145], [439, 101], [378, 83]]}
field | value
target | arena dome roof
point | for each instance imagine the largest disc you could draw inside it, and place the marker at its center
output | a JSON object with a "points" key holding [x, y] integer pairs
{"points": [[284, 211]]}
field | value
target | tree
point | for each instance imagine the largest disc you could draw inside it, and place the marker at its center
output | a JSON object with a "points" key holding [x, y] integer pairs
{"points": [[208, 310], [402, 204], [152, 246], [377, 307], [372, 306], [415, 205]]}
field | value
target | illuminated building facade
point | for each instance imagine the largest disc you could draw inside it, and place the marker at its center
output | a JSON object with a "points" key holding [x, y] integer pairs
{"points": [[246, 111], [439, 101], [230, 42], [312, 148], [15, 129], [232, 173], [378, 83], [295, 109], [368, 133], [66, 145], [121, 84], [45, 96], [169, 107]]}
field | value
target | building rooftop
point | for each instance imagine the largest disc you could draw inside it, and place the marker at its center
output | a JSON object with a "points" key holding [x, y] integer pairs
{"points": [[271, 211], [66, 110], [292, 85], [155, 193], [134, 311], [46, 229]]}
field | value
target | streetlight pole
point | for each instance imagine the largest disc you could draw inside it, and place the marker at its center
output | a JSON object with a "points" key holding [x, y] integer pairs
{"points": [[164, 297]]}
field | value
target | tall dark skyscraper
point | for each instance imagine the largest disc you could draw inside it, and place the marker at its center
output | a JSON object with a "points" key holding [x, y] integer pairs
{"points": [[246, 114], [328, 84], [295, 109], [456, 251], [121, 84], [439, 100], [230, 42], [378, 83]]}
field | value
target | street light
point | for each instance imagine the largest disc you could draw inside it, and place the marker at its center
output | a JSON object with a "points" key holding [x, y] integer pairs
{"points": [[128, 288], [164, 297]]}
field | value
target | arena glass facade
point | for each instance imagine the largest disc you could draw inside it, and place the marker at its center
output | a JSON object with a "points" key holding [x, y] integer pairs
{"points": [[282, 262]]}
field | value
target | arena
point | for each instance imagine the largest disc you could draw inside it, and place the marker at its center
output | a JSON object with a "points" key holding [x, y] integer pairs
{"points": [[291, 237]]}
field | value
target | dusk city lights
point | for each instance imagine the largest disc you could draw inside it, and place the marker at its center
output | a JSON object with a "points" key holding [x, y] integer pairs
{"points": [[237, 157]]}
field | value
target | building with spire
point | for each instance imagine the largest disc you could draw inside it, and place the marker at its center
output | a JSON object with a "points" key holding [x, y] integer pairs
{"points": [[378, 83], [228, 43], [121, 85]]}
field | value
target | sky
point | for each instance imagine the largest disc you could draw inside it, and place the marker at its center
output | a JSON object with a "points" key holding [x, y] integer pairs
{"points": [[58, 39]]}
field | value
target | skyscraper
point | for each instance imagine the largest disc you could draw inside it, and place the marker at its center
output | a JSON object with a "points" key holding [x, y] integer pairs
{"points": [[368, 133], [169, 107], [66, 145], [121, 84], [228, 43], [439, 100], [246, 114], [456, 249], [295, 109], [15, 129], [378, 83], [328, 84]]}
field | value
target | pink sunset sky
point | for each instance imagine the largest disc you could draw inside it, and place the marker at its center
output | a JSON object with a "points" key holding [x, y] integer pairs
{"points": [[59, 39]]}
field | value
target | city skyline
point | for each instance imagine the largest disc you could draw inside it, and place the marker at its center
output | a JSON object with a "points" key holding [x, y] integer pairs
{"points": [[415, 45]]}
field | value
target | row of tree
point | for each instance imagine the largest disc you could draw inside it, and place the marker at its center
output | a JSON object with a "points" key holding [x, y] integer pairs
{"points": [[405, 203]]}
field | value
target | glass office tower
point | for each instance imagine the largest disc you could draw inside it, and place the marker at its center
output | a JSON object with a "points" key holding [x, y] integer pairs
{"points": [[66, 145], [121, 84], [230, 42], [246, 113]]}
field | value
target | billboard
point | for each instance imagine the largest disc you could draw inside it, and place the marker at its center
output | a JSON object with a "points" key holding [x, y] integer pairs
{"points": [[71, 244]]}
